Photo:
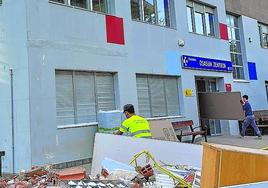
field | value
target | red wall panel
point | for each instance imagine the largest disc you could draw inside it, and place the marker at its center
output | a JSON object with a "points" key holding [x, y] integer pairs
{"points": [[223, 31], [115, 30]]}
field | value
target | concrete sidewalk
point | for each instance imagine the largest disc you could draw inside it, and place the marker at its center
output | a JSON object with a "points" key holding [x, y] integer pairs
{"points": [[247, 141]]}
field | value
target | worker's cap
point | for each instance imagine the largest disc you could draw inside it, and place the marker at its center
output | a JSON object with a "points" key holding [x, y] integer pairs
{"points": [[129, 108]]}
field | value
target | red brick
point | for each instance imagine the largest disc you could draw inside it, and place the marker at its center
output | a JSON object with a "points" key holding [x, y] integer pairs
{"points": [[71, 174]]}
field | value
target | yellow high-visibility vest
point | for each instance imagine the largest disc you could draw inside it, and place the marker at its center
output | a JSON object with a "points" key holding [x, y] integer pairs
{"points": [[137, 126]]}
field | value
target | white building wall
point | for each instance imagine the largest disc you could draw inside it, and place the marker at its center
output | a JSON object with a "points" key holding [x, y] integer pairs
{"points": [[13, 26], [254, 53], [55, 37]]}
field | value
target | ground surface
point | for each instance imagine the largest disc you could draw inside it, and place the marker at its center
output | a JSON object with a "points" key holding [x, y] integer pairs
{"points": [[247, 141]]}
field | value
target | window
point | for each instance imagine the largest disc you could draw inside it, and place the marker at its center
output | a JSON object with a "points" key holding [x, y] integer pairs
{"points": [[79, 3], [201, 19], [135, 10], [263, 35], [151, 11], [93, 5], [80, 95], [99, 5], [157, 96], [235, 47]]}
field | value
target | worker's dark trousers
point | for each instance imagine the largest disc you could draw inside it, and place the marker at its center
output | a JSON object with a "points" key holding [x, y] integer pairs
{"points": [[250, 120]]}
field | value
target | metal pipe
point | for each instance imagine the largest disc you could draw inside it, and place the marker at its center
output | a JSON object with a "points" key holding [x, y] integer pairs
{"points": [[12, 121]]}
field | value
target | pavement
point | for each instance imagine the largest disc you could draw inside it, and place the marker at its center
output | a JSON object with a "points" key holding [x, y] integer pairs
{"points": [[247, 141]]}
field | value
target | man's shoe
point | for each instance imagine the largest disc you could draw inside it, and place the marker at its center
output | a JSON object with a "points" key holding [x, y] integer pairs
{"points": [[241, 135], [259, 137]]}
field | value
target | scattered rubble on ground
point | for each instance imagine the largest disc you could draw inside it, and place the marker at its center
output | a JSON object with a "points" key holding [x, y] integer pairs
{"points": [[113, 175]]}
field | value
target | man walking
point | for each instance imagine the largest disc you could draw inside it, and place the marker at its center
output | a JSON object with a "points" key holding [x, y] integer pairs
{"points": [[250, 119], [136, 125]]}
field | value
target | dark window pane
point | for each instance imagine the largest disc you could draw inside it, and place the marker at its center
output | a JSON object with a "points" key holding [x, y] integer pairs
{"points": [[235, 22], [233, 59], [135, 10], [99, 5], [234, 73], [240, 73], [265, 40], [58, 1], [210, 24], [201, 85], [237, 36], [149, 11], [235, 46], [79, 3], [237, 59], [163, 12]]}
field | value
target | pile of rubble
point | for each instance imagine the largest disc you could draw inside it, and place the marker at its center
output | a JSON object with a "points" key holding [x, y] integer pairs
{"points": [[146, 173], [42, 177]]}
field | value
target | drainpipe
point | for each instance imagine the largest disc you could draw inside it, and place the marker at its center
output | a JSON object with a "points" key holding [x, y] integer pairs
{"points": [[12, 121]]}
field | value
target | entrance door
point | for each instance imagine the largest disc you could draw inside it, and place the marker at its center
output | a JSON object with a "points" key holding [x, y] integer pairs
{"points": [[209, 85]]}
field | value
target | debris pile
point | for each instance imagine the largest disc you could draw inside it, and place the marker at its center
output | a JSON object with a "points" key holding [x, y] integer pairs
{"points": [[40, 177], [145, 172]]}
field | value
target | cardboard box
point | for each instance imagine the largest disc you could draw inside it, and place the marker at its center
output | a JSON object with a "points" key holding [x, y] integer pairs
{"points": [[163, 130]]}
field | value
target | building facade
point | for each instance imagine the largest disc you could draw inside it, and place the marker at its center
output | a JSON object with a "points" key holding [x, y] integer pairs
{"points": [[62, 61]]}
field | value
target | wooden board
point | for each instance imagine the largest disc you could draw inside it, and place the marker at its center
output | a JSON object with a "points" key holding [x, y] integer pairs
{"points": [[229, 165], [221, 105], [212, 159]]}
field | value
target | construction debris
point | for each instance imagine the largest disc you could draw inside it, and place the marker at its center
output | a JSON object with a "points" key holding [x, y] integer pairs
{"points": [[114, 174], [42, 177], [71, 174]]}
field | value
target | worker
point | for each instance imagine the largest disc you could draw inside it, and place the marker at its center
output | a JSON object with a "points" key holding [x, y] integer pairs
{"points": [[250, 119], [136, 125]]}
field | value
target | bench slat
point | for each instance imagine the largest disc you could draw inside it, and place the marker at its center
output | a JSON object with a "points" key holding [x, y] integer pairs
{"points": [[262, 125], [193, 133], [180, 124]]}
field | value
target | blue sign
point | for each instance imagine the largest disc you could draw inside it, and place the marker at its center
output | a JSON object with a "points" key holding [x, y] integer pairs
{"points": [[252, 71], [191, 62]]}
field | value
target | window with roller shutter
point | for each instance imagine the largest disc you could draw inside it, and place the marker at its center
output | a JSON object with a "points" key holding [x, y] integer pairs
{"points": [[80, 95], [157, 96]]}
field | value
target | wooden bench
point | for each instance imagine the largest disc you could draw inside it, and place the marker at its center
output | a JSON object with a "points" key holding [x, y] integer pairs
{"points": [[261, 117], [179, 125]]}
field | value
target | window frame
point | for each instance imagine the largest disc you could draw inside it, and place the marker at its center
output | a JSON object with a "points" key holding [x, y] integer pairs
{"points": [[142, 16], [191, 4], [73, 74], [89, 5], [231, 27], [261, 33], [163, 78]]}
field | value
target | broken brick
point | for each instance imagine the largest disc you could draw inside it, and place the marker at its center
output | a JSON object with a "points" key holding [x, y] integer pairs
{"points": [[72, 174]]}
